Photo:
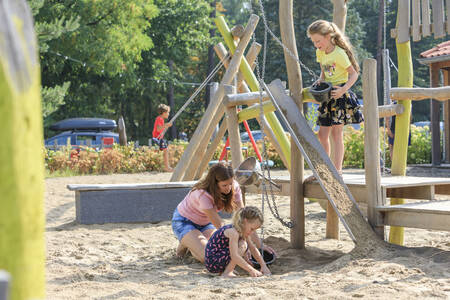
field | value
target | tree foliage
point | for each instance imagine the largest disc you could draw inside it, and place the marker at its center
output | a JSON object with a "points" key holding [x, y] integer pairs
{"points": [[107, 58]]}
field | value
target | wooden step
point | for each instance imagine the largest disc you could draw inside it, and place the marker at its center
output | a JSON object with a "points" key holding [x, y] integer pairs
{"points": [[426, 215]]}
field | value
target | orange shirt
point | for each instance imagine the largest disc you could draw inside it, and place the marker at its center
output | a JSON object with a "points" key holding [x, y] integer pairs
{"points": [[159, 121]]}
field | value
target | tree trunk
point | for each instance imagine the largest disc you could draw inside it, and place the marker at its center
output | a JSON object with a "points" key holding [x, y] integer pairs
{"points": [[22, 220], [212, 33], [171, 101]]}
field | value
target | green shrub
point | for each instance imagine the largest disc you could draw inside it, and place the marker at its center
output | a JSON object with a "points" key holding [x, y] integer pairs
{"points": [[128, 159]]}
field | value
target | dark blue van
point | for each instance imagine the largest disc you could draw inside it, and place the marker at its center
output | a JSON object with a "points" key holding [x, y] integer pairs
{"points": [[83, 132]]}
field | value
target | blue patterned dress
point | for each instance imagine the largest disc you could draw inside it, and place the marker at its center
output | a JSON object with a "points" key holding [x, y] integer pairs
{"points": [[217, 252]]}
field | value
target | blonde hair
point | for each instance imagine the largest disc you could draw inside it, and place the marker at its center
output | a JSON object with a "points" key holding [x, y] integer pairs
{"points": [[162, 108], [209, 183], [249, 213], [338, 38]]}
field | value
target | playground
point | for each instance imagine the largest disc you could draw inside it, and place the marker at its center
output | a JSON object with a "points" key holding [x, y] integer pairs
{"points": [[137, 261]]}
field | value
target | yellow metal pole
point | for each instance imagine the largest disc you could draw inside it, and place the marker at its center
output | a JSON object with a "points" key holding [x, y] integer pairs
{"points": [[253, 84], [405, 79]]}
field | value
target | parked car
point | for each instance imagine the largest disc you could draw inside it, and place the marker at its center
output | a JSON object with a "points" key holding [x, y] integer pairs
{"points": [[427, 123], [83, 132], [257, 135]]}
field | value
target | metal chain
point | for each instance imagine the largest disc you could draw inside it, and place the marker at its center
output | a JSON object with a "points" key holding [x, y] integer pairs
{"points": [[261, 75], [285, 48]]}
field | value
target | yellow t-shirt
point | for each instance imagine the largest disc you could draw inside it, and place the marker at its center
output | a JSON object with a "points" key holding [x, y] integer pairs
{"points": [[334, 65]]}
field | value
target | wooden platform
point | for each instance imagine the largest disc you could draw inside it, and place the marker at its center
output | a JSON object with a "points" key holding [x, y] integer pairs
{"points": [[429, 214], [409, 187]]}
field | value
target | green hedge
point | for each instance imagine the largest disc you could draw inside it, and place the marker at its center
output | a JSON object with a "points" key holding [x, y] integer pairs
{"points": [[128, 159]]}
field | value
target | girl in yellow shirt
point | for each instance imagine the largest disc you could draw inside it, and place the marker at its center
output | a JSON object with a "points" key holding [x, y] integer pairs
{"points": [[338, 66]]}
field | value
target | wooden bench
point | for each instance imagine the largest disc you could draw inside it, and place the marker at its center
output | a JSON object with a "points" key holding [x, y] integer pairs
{"points": [[128, 203]]}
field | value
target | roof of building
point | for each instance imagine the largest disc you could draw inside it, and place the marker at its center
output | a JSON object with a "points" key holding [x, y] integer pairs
{"points": [[438, 53]]}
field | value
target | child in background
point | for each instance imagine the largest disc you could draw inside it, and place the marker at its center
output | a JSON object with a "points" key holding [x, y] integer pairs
{"points": [[158, 133], [338, 66], [227, 247]]}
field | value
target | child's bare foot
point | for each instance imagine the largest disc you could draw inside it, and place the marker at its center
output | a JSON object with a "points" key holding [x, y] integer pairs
{"points": [[168, 169], [181, 250], [229, 275]]}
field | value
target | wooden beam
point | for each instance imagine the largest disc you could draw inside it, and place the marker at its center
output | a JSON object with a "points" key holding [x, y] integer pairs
{"points": [[426, 192], [371, 145], [200, 137], [437, 93], [433, 215], [390, 110]]}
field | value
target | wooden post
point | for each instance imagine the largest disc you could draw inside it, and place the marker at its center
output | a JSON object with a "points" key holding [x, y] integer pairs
{"points": [[199, 140], [122, 132], [22, 219], [447, 116], [340, 13], [297, 202], [233, 131], [416, 20], [372, 145], [435, 109], [426, 18]]}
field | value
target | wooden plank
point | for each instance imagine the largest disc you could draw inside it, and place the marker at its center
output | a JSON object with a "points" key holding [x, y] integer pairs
{"points": [[324, 170], [415, 220], [403, 20], [412, 192], [427, 215], [371, 144], [435, 207], [442, 189], [437, 8], [416, 20], [426, 30]]}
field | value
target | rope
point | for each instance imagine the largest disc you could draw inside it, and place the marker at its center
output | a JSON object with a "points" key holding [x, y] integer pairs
{"points": [[197, 91]]}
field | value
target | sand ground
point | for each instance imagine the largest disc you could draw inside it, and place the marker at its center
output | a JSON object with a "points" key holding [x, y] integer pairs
{"points": [[137, 261]]}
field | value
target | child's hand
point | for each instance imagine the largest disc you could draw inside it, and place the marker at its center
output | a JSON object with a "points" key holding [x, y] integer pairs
{"points": [[167, 125], [265, 270], [337, 92], [255, 273]]}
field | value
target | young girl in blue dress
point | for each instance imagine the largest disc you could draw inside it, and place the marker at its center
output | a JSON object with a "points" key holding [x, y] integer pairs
{"points": [[228, 246], [338, 66]]}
